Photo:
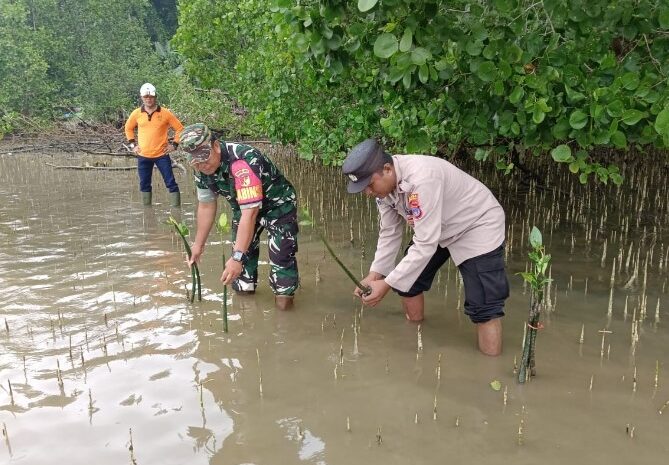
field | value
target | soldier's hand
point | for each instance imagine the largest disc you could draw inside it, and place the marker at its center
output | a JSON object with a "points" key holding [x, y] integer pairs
{"points": [[195, 253], [231, 272]]}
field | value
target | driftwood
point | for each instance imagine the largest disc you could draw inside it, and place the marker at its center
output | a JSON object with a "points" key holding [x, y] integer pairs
{"points": [[105, 168], [85, 167]]}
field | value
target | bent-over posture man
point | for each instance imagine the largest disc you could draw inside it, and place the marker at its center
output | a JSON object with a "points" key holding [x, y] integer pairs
{"points": [[260, 198], [452, 215]]}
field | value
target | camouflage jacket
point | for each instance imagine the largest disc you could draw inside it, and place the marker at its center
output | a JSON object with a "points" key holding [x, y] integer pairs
{"points": [[247, 178]]}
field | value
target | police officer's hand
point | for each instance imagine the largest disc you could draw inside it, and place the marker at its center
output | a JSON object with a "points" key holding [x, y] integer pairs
{"points": [[231, 272], [372, 276], [195, 253], [379, 290]]}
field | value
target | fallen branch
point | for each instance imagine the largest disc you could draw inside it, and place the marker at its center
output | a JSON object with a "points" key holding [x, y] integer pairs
{"points": [[102, 168]]}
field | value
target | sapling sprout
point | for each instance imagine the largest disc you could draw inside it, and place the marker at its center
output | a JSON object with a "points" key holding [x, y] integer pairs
{"points": [[223, 227], [538, 281], [183, 232], [308, 221]]}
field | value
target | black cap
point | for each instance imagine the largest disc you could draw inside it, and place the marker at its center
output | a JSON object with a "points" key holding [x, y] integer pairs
{"points": [[362, 162]]}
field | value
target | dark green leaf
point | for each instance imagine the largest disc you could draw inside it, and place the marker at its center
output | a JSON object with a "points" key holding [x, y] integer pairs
{"points": [[578, 119], [487, 71], [631, 117], [619, 140], [662, 122]]}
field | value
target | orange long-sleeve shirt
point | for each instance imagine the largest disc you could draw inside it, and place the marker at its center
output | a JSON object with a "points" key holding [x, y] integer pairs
{"points": [[152, 130]]}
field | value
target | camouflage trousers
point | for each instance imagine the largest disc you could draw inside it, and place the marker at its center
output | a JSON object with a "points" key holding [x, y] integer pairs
{"points": [[282, 245]]}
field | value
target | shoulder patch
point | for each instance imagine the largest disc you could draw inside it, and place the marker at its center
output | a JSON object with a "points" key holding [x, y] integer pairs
{"points": [[414, 206], [247, 185]]}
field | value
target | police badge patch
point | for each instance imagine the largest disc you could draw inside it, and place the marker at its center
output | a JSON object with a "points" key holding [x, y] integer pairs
{"points": [[414, 206]]}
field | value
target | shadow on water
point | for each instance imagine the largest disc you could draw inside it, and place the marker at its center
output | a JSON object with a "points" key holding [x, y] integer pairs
{"points": [[100, 338]]}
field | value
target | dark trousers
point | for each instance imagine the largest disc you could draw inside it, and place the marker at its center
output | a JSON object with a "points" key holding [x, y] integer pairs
{"points": [[145, 171], [484, 278]]}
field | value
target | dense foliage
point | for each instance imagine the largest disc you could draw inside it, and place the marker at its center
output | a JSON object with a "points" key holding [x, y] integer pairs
{"points": [[495, 78], [498, 79], [86, 59]]}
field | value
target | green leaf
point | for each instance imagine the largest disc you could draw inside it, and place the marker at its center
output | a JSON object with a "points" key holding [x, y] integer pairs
{"points": [[615, 108], [583, 178], [516, 95], [538, 115], [419, 143], [481, 154], [366, 5], [578, 119], [535, 238], [573, 96], [619, 140], [474, 48], [561, 153], [616, 178], [663, 17], [406, 41], [423, 73], [631, 117], [495, 385], [420, 55], [487, 71], [385, 45], [662, 122], [574, 167], [630, 81], [222, 222], [406, 79]]}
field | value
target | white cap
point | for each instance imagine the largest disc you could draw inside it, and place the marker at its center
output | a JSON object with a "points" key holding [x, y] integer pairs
{"points": [[147, 89]]}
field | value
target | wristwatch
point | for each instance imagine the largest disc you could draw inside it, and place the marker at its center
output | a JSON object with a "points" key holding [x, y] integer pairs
{"points": [[239, 256]]}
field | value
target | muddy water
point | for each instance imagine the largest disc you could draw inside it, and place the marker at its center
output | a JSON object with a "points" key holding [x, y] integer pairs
{"points": [[101, 341]]}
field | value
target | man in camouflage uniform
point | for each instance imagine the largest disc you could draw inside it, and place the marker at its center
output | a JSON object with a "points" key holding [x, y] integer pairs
{"points": [[260, 198]]}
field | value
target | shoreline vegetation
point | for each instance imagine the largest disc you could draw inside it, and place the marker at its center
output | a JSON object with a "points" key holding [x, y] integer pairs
{"points": [[579, 83]]}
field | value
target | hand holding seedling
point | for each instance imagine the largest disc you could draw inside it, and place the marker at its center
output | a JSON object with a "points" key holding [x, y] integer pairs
{"points": [[183, 232], [376, 291], [231, 272], [196, 251]]}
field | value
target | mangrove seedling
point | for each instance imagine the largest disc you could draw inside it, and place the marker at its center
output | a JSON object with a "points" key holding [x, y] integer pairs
{"points": [[223, 227], [183, 232], [308, 221], [537, 279]]}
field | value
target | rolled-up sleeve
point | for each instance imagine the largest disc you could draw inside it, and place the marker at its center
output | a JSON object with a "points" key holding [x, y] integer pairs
{"points": [[426, 207], [205, 195]]}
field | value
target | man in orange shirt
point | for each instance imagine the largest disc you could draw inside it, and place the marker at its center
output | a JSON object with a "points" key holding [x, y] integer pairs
{"points": [[153, 147]]}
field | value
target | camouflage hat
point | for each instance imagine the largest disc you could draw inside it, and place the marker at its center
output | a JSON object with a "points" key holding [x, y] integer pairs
{"points": [[195, 140]]}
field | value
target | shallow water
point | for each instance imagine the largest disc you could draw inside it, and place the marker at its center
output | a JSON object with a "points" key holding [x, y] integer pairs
{"points": [[94, 283]]}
